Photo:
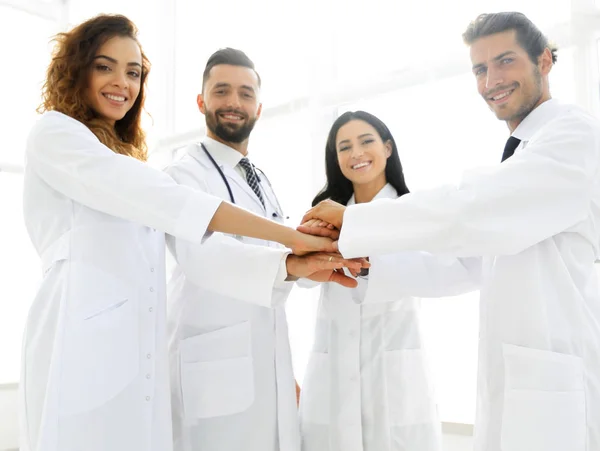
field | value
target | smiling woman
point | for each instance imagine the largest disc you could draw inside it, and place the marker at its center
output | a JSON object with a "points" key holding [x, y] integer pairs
{"points": [[114, 84], [81, 76]]}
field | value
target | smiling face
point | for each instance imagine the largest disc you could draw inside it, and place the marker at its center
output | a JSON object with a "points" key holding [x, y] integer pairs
{"points": [[114, 78], [362, 155], [510, 83], [230, 102]]}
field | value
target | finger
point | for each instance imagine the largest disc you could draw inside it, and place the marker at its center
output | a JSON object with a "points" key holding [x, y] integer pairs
{"points": [[335, 245], [311, 223], [318, 231], [354, 272], [364, 263], [352, 263], [343, 280], [311, 214]]}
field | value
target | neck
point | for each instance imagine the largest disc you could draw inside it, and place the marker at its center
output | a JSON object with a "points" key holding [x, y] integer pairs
{"points": [[240, 147], [366, 192]]}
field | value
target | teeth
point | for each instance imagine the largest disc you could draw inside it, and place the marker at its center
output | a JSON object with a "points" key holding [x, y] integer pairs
{"points": [[231, 116], [361, 165], [501, 96], [115, 98]]}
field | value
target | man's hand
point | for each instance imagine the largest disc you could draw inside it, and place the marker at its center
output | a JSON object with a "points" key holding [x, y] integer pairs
{"points": [[327, 211], [322, 267]]}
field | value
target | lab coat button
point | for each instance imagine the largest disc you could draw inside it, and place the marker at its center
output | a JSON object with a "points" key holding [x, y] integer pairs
{"points": [[148, 376], [150, 309], [148, 356], [147, 398], [151, 290], [151, 269]]}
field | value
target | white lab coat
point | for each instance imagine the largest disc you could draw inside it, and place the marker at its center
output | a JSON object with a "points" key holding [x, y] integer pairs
{"points": [[94, 365], [535, 220], [231, 370], [367, 385]]}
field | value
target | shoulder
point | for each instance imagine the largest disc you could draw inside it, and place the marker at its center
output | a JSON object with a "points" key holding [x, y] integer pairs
{"points": [[189, 167], [52, 124], [568, 116]]}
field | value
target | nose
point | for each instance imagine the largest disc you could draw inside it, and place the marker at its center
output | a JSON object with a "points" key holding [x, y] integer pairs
{"points": [[233, 101], [121, 81], [493, 78], [357, 151]]}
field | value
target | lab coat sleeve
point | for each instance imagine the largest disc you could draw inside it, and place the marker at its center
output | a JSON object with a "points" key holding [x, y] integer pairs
{"points": [[66, 155], [227, 266], [541, 191], [420, 274]]}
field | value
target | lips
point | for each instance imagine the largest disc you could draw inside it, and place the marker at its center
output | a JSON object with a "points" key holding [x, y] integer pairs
{"points": [[361, 165], [500, 95], [115, 99], [232, 116]]}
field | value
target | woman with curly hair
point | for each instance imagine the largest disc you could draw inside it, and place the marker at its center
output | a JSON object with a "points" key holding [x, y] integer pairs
{"points": [[94, 367]]}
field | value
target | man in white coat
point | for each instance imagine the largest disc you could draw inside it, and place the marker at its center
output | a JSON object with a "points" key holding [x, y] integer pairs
{"points": [[231, 371], [535, 219]]}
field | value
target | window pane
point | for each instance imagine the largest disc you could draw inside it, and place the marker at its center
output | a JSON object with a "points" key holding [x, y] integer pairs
{"points": [[24, 82], [390, 35], [20, 265]]}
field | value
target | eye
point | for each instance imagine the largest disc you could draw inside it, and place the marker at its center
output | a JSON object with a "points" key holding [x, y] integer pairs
{"points": [[134, 74], [507, 60], [480, 71], [220, 92], [368, 141], [102, 68], [341, 149]]}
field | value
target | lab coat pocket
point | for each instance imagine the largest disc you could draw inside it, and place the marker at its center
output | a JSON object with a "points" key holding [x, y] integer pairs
{"points": [[100, 357], [544, 401], [217, 376], [409, 392], [316, 390]]}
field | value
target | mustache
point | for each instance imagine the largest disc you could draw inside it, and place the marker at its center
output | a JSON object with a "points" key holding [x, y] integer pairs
{"points": [[493, 92], [230, 111]]}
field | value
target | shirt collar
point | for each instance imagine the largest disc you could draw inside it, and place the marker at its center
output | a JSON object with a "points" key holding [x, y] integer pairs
{"points": [[222, 153], [387, 192], [536, 119]]}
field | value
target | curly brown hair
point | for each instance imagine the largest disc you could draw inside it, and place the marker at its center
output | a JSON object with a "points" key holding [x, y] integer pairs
{"points": [[67, 78]]}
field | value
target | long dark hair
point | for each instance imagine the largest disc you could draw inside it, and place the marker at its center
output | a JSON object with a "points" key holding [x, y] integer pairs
{"points": [[338, 188]]}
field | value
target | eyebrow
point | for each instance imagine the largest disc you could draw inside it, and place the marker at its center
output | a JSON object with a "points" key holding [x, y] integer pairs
{"points": [[114, 61], [496, 58], [360, 136], [228, 85]]}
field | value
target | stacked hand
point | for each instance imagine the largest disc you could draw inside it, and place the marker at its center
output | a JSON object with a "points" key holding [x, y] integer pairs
{"points": [[320, 227], [325, 267]]}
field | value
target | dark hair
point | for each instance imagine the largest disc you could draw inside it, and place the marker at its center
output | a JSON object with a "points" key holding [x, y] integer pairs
{"points": [[528, 35], [230, 56], [67, 77], [338, 188]]}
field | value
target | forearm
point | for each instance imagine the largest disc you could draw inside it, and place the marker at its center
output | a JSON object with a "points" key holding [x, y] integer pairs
{"points": [[237, 221]]}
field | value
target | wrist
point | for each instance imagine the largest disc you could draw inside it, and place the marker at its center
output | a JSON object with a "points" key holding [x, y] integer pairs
{"points": [[291, 265]]}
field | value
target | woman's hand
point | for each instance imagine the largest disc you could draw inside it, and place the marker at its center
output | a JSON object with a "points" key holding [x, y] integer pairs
{"points": [[327, 211]]}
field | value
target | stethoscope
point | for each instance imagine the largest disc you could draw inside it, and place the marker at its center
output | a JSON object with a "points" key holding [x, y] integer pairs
{"points": [[218, 168]]}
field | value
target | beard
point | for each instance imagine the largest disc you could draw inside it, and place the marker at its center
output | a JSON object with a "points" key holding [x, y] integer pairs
{"points": [[233, 133], [531, 92]]}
